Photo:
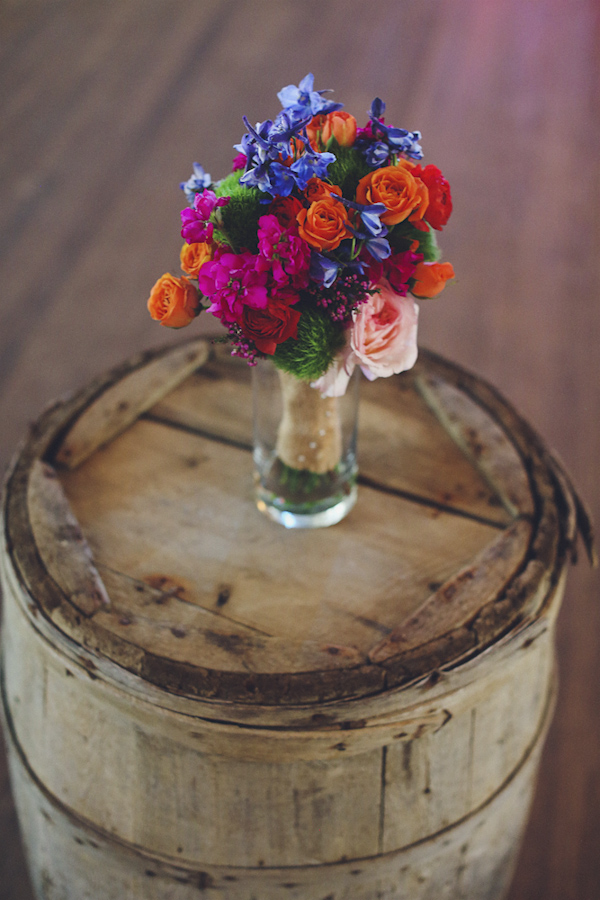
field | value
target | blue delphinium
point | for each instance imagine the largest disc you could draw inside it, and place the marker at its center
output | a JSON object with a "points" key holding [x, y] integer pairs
{"points": [[302, 101], [196, 183]]}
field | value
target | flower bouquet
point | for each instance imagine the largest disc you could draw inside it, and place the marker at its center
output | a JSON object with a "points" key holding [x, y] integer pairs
{"points": [[311, 253]]}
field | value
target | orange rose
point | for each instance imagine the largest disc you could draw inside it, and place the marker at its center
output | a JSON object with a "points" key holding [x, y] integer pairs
{"points": [[430, 278], [341, 126], [174, 301], [318, 190], [324, 225], [313, 131], [192, 256], [404, 195]]}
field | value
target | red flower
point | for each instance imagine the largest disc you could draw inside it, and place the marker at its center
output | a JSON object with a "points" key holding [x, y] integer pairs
{"points": [[285, 209], [440, 201], [271, 326]]}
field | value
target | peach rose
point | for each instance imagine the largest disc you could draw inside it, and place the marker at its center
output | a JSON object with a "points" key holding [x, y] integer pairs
{"points": [[430, 278], [192, 256], [324, 225], [174, 301], [404, 195], [341, 126], [382, 341]]}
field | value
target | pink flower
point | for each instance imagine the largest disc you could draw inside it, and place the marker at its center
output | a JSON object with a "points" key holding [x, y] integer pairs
{"points": [[231, 282], [384, 334], [196, 227], [282, 253], [239, 162], [382, 341], [399, 268]]}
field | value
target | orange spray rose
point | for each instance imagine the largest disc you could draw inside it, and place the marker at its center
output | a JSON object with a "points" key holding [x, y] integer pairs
{"points": [[192, 256], [340, 125], [324, 225], [431, 278], [174, 301], [313, 131], [318, 190], [404, 195]]}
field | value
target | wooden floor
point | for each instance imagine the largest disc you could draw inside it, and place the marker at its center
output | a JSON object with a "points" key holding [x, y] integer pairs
{"points": [[104, 106]]}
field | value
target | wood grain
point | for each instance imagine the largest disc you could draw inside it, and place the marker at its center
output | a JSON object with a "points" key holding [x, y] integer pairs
{"points": [[104, 106]]}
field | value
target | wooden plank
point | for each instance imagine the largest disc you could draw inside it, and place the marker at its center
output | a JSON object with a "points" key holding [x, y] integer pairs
{"points": [[59, 539], [121, 403]]}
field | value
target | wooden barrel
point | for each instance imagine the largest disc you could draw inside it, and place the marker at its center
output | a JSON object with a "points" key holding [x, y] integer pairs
{"points": [[196, 699]]}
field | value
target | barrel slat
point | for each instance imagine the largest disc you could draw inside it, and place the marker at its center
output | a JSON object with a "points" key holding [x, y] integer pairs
{"points": [[121, 403]]}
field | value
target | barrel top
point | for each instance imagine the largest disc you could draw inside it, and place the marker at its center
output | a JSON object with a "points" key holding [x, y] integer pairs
{"points": [[131, 531]]}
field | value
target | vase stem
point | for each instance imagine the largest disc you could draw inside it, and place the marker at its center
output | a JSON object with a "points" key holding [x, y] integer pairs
{"points": [[304, 449], [310, 433]]}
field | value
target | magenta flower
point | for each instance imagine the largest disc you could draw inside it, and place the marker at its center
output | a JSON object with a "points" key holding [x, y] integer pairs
{"points": [[196, 225], [400, 268], [283, 253], [239, 162], [231, 282]]}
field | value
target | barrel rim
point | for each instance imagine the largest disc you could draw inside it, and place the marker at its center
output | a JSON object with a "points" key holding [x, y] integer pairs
{"points": [[553, 524]]}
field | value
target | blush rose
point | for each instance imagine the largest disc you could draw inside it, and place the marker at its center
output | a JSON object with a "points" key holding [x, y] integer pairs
{"points": [[382, 341]]}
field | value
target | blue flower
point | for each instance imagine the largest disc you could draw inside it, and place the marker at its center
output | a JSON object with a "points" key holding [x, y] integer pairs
{"points": [[369, 214], [271, 177], [303, 101], [376, 154], [378, 247], [311, 165], [399, 140], [196, 183], [323, 270]]}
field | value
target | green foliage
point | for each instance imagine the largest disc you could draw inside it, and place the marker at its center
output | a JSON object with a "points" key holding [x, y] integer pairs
{"points": [[404, 234], [237, 223], [348, 168], [310, 354]]}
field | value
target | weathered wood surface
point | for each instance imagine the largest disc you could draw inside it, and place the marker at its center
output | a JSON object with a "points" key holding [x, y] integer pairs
{"points": [[57, 833], [105, 105], [170, 507]]}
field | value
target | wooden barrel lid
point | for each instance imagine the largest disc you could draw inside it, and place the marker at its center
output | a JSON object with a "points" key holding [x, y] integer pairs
{"points": [[131, 526]]}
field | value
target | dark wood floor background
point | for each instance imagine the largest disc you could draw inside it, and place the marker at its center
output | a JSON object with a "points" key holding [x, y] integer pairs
{"points": [[103, 107]]}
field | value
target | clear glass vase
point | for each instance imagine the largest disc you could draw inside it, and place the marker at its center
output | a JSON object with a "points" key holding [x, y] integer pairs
{"points": [[304, 449]]}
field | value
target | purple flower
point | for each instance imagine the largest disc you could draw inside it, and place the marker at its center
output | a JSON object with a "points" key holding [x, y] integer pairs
{"points": [[231, 281]]}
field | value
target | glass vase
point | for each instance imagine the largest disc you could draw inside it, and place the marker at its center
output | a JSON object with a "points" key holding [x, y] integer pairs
{"points": [[304, 449]]}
